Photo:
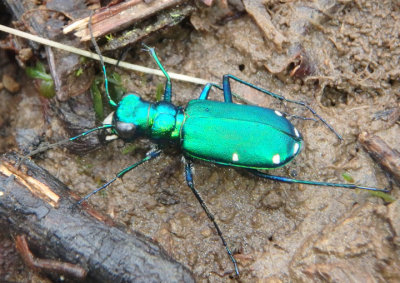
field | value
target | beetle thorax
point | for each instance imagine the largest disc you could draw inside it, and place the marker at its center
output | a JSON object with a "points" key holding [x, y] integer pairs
{"points": [[164, 121]]}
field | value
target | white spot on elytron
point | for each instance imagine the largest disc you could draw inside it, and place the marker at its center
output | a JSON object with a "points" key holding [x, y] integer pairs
{"points": [[278, 113], [296, 148], [296, 132], [276, 159], [235, 157]]}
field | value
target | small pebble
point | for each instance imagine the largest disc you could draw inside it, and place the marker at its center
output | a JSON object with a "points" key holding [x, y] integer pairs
{"points": [[10, 84], [25, 54]]}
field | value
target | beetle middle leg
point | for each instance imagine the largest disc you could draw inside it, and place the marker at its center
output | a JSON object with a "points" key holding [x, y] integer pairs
{"points": [[149, 156], [189, 181], [206, 90], [227, 91]]}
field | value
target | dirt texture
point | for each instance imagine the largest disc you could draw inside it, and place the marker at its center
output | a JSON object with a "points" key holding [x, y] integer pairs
{"points": [[342, 58]]}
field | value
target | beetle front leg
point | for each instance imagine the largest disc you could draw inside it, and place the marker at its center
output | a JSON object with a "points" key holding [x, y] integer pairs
{"points": [[96, 47], [168, 84], [189, 181], [62, 142]]}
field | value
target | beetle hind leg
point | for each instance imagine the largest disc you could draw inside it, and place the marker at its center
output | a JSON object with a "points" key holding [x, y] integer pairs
{"points": [[189, 181], [314, 183]]}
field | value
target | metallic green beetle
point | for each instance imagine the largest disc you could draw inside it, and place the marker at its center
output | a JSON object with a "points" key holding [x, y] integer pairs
{"points": [[218, 132], [224, 133]]}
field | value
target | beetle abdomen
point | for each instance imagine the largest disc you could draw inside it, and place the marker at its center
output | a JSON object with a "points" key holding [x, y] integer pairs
{"points": [[238, 135]]}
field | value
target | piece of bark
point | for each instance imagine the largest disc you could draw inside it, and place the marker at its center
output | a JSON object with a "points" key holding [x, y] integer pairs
{"points": [[163, 20], [118, 17], [35, 204], [131, 21]]}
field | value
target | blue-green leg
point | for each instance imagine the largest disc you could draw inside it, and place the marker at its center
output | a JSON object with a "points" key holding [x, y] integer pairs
{"points": [[227, 91], [53, 145], [313, 183], [190, 183], [110, 101], [148, 157], [206, 90], [168, 85]]}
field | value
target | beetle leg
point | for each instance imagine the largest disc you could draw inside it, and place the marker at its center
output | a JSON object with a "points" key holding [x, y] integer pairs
{"points": [[207, 88], [96, 47], [228, 93], [168, 85], [59, 143], [313, 183], [287, 115], [189, 181], [148, 157]]}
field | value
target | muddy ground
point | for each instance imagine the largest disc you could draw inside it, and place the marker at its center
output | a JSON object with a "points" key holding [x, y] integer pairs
{"points": [[342, 58]]}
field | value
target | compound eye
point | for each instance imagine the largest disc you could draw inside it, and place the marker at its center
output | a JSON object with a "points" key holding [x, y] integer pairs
{"points": [[125, 131]]}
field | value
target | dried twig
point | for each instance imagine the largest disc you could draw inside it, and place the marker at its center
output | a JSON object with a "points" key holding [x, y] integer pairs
{"points": [[386, 157], [94, 56]]}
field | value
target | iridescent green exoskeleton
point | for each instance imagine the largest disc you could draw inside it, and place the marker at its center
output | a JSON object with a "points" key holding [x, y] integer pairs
{"points": [[250, 137]]}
